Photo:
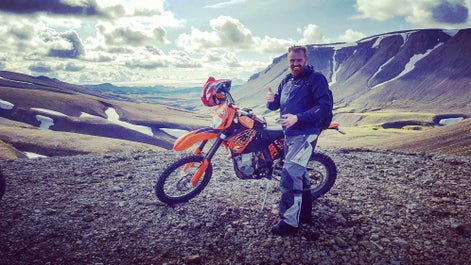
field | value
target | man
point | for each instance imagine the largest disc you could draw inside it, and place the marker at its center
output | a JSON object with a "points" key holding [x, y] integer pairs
{"points": [[304, 100]]}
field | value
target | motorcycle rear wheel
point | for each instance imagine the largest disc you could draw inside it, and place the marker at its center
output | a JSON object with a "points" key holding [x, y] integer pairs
{"points": [[174, 186], [322, 174]]}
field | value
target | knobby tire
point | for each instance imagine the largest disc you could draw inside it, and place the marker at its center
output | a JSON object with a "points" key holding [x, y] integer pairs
{"points": [[167, 176], [328, 174]]}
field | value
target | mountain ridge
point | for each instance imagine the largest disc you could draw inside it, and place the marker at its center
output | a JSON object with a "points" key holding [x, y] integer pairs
{"points": [[403, 83], [375, 60]]}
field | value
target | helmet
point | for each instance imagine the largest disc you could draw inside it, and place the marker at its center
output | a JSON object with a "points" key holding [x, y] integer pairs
{"points": [[214, 91]]}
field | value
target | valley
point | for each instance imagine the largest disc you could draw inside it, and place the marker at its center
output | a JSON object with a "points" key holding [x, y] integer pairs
{"points": [[388, 89]]}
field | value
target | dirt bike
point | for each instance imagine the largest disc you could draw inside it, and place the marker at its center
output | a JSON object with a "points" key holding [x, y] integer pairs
{"points": [[256, 150]]}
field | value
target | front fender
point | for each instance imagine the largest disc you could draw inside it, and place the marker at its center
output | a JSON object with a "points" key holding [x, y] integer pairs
{"points": [[188, 140]]}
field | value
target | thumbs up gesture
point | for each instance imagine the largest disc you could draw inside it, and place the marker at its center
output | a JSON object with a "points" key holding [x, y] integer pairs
{"points": [[270, 95]]}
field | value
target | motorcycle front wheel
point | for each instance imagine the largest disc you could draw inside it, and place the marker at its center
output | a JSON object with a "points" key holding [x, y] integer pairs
{"points": [[322, 173], [174, 184]]}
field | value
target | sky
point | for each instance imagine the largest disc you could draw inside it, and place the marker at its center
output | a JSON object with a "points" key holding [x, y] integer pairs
{"points": [[183, 42]]}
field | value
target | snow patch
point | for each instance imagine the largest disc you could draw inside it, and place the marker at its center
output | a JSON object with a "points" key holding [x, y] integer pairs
{"points": [[46, 122], [174, 132], [405, 37], [344, 45], [114, 117], [17, 81], [33, 155], [411, 64], [6, 105], [333, 80], [87, 115], [377, 42], [48, 111]]}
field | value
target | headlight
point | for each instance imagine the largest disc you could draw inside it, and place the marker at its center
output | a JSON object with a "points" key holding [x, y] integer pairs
{"points": [[217, 121]]}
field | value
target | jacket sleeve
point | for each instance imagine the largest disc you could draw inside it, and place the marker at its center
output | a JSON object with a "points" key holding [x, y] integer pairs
{"points": [[321, 95], [276, 104]]}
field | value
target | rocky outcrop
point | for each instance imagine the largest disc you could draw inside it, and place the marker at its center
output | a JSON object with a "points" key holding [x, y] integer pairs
{"points": [[386, 208]]}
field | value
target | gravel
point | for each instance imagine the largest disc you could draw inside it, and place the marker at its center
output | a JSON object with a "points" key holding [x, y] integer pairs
{"points": [[386, 208]]}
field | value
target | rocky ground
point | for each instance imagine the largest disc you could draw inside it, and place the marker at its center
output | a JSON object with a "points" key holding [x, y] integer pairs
{"points": [[386, 208]]}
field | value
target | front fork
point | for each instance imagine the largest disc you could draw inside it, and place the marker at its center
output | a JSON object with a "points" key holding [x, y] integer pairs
{"points": [[207, 158]]}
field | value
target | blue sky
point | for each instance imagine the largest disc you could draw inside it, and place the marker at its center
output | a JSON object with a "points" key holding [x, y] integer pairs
{"points": [[182, 42]]}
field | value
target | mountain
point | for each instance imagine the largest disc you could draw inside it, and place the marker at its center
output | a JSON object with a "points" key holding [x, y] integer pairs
{"points": [[181, 97], [50, 117], [393, 90], [415, 70], [388, 89]]}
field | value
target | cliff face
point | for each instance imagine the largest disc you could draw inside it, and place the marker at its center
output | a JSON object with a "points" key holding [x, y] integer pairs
{"points": [[416, 70]]}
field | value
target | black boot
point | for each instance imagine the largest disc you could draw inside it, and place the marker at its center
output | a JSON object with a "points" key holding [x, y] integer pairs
{"points": [[284, 229], [306, 208]]}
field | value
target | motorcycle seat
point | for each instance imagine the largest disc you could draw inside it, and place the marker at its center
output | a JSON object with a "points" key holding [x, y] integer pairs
{"points": [[274, 131]]}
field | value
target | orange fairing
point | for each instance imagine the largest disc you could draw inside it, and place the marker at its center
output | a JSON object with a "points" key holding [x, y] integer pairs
{"points": [[188, 140], [246, 121], [223, 116]]}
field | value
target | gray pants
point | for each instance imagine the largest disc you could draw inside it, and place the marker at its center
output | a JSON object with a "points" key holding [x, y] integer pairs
{"points": [[294, 179]]}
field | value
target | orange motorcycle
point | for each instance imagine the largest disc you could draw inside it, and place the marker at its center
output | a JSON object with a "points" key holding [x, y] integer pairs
{"points": [[256, 150]]}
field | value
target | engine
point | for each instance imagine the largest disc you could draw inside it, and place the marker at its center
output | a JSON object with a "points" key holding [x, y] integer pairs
{"points": [[250, 166]]}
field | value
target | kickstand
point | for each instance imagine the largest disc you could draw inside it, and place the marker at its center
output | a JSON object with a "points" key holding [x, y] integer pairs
{"points": [[267, 187]]}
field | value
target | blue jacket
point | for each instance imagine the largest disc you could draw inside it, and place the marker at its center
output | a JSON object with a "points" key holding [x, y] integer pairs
{"points": [[308, 97]]}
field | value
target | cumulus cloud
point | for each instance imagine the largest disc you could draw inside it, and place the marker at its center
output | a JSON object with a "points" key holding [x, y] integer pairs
{"points": [[130, 35], [452, 13], [351, 36], [311, 35], [182, 59], [420, 13], [273, 45], [227, 32], [72, 67], [231, 60], [120, 8], [76, 49]]}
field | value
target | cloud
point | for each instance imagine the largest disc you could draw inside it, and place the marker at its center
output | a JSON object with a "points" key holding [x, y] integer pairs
{"points": [[72, 67], [40, 68], [311, 35], [451, 13], [182, 59], [82, 8], [131, 35], [75, 51], [431, 13], [351, 35], [273, 45], [126, 8], [231, 60], [225, 4], [227, 32]]}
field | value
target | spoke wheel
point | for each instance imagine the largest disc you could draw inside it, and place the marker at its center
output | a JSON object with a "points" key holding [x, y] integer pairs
{"points": [[174, 184], [322, 174]]}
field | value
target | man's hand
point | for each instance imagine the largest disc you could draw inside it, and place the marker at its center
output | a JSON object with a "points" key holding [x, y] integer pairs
{"points": [[270, 95], [290, 120]]}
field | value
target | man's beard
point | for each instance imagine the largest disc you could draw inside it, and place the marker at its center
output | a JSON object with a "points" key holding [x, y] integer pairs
{"points": [[296, 69]]}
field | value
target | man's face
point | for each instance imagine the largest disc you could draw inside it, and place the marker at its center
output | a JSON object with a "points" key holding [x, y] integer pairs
{"points": [[297, 61]]}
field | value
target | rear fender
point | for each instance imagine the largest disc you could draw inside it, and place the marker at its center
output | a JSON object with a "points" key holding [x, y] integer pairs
{"points": [[188, 140]]}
